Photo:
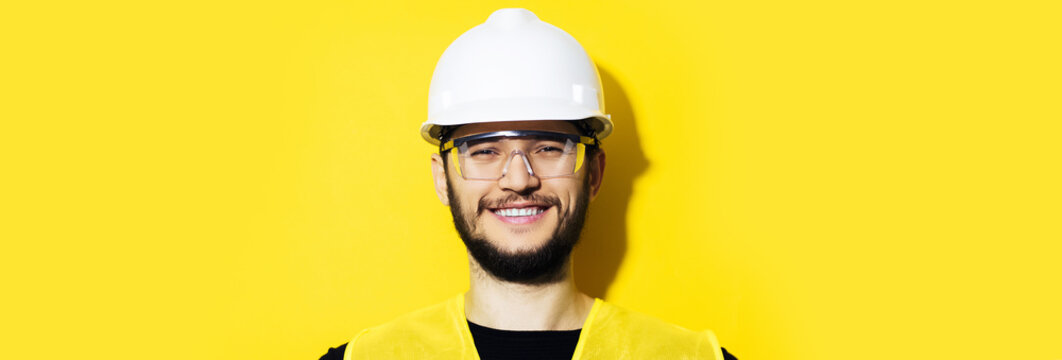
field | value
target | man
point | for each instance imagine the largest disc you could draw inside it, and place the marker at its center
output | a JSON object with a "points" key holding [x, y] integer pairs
{"points": [[517, 111]]}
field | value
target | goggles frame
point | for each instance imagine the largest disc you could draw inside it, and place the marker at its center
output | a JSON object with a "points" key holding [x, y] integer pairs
{"points": [[458, 142]]}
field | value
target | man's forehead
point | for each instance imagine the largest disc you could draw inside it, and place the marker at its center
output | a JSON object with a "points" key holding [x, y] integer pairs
{"points": [[539, 125]]}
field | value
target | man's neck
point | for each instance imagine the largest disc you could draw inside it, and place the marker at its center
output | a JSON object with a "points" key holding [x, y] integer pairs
{"points": [[510, 306]]}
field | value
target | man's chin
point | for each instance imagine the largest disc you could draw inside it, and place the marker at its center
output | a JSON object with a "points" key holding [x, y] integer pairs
{"points": [[531, 253], [513, 244], [513, 248], [531, 261]]}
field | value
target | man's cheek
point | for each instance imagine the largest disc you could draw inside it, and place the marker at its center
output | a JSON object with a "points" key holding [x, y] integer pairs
{"points": [[472, 209]]}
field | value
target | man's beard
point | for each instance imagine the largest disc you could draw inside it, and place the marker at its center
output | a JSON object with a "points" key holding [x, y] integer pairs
{"points": [[543, 265]]}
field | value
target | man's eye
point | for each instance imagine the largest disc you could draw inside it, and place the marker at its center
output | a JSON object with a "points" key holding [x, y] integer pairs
{"points": [[548, 149], [483, 152]]}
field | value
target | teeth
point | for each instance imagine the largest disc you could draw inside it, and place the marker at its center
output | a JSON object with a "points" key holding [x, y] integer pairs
{"points": [[519, 212]]}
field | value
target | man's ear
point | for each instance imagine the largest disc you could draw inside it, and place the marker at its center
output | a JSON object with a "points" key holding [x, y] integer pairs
{"points": [[438, 174], [597, 172]]}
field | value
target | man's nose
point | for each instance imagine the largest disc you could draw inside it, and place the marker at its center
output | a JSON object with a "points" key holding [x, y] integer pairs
{"points": [[518, 175]]}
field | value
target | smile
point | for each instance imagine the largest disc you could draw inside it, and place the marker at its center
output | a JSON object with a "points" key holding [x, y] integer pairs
{"points": [[519, 212], [520, 215]]}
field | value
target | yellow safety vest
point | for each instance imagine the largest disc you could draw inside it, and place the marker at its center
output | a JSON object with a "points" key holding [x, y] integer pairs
{"points": [[610, 332]]}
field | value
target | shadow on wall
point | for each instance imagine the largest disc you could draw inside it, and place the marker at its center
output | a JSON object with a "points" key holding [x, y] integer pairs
{"points": [[604, 242]]}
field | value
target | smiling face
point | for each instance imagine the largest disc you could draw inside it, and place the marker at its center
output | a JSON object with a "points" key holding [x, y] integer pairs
{"points": [[520, 228]]}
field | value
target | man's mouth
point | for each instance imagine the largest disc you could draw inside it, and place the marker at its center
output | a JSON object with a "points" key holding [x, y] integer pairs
{"points": [[520, 214]]}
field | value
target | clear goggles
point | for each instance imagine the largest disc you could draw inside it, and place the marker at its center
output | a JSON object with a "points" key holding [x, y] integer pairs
{"points": [[544, 154]]}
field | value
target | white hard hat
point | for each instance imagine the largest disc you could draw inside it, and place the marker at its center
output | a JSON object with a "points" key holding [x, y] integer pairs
{"points": [[514, 67]]}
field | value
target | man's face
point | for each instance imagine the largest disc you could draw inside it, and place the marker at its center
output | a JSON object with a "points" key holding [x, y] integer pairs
{"points": [[532, 247]]}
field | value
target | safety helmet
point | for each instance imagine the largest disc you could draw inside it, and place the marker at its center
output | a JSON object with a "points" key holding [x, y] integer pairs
{"points": [[514, 67]]}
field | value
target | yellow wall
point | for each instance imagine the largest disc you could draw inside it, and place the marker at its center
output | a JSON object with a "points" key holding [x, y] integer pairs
{"points": [[811, 179]]}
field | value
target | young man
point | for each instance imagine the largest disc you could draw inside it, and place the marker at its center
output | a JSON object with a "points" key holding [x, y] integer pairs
{"points": [[516, 109]]}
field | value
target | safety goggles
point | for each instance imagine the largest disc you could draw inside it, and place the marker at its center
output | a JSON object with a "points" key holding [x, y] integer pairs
{"points": [[545, 154]]}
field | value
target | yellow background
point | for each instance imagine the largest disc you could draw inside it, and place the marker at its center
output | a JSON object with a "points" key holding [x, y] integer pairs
{"points": [[810, 179]]}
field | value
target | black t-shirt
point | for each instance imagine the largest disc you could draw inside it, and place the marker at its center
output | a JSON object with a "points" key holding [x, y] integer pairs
{"points": [[509, 344], [512, 345]]}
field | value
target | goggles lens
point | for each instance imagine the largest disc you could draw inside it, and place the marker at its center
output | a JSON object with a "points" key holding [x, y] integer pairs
{"points": [[543, 154]]}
